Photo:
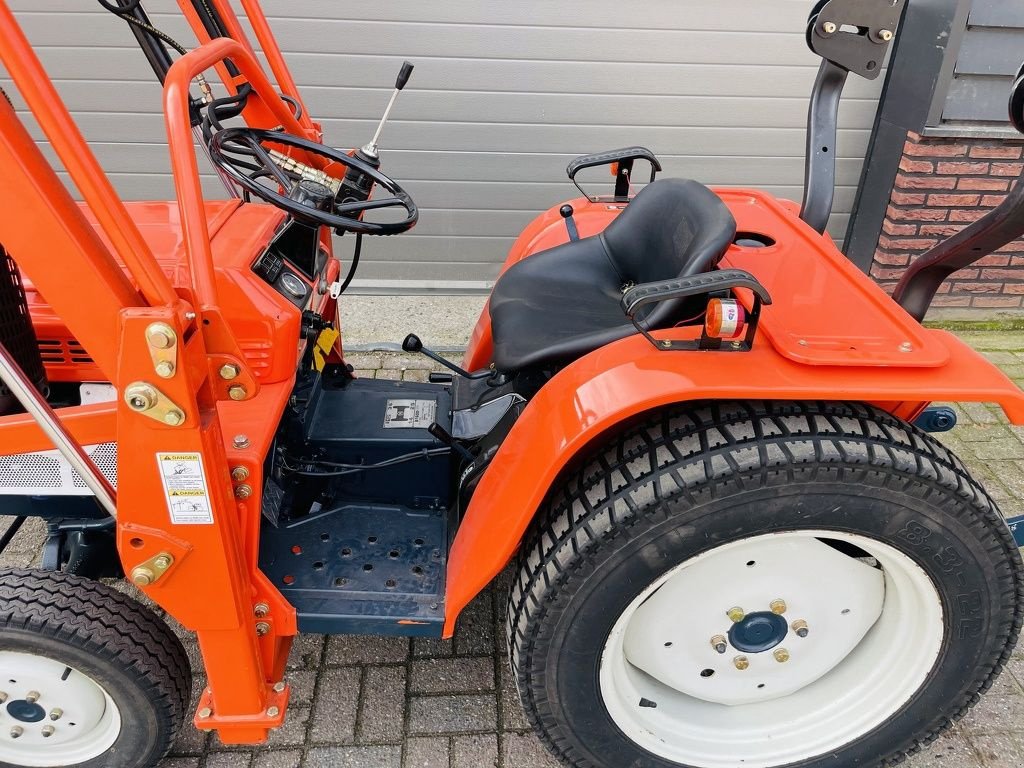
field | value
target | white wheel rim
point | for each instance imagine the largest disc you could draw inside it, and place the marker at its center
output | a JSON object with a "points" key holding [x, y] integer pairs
{"points": [[874, 633], [79, 720]]}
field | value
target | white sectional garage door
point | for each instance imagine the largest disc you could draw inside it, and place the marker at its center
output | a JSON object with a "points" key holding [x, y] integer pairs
{"points": [[504, 95]]}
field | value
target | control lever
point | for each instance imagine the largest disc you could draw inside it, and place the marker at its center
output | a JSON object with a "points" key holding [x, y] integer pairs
{"points": [[403, 78], [442, 435], [412, 343]]}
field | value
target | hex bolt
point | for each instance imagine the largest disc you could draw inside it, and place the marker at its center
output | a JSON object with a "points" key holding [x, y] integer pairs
{"points": [[239, 474], [237, 392], [829, 27], [736, 615], [243, 491], [718, 642], [16, 732], [165, 369], [741, 663], [56, 713], [885, 34], [273, 711], [163, 562], [174, 418], [161, 336], [906, 346], [800, 627], [781, 655], [143, 576], [230, 371], [240, 441], [48, 731], [778, 607], [262, 628], [260, 610], [279, 687], [32, 697], [204, 713]]}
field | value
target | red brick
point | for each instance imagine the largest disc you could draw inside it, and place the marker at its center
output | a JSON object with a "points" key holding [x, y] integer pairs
{"points": [[917, 214], [997, 152], [884, 273], [892, 259], [968, 215], [951, 301], [925, 182], [941, 230], [1007, 169], [953, 201], [1017, 246], [944, 288], [907, 243], [906, 198], [935, 150], [984, 185], [917, 166], [1001, 274], [1017, 261], [891, 228], [1014, 288], [913, 136], [962, 287], [962, 169], [989, 302], [991, 201], [995, 261]]}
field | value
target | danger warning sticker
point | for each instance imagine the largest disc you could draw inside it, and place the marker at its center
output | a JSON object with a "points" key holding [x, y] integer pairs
{"points": [[188, 499]]}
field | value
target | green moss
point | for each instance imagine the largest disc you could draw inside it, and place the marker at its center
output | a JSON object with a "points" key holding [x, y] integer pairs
{"points": [[1008, 324]]}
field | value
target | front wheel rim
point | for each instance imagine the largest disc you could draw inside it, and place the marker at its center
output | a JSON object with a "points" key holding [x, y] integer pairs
{"points": [[830, 634], [52, 714]]}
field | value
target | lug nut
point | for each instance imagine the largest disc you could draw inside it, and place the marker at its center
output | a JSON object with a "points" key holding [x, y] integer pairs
{"points": [[800, 627], [273, 711], [204, 713], [778, 607], [262, 628], [741, 663], [48, 731], [163, 562], [885, 34], [174, 418], [243, 491], [32, 697], [260, 610], [237, 392], [240, 442], [239, 474], [229, 372], [56, 713], [735, 615], [718, 642], [829, 27], [781, 655], [165, 369], [16, 732], [279, 687]]}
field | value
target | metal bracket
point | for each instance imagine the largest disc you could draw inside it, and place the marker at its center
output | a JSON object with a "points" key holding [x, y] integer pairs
{"points": [[854, 34], [150, 571], [145, 399]]}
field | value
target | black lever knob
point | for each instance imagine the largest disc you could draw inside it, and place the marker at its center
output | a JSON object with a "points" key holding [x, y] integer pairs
{"points": [[566, 211], [412, 343], [404, 75]]}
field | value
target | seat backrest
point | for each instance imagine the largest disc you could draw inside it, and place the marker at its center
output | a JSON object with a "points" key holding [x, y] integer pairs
{"points": [[672, 228]]}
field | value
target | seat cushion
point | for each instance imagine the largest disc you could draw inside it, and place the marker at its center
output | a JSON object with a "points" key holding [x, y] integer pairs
{"points": [[562, 303]]}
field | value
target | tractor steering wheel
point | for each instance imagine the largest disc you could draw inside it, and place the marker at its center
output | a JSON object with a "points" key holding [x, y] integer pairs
{"points": [[248, 157]]}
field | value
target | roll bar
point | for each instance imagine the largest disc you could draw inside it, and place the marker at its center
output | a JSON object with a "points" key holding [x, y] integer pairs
{"points": [[921, 281], [851, 36]]}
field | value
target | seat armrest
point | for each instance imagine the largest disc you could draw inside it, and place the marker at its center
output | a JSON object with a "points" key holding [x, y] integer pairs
{"points": [[678, 288], [614, 156]]}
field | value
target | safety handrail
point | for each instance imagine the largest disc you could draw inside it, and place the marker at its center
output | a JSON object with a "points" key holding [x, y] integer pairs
{"points": [[185, 167]]}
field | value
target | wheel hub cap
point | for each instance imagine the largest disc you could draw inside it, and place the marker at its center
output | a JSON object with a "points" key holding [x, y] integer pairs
{"points": [[758, 632], [25, 711]]}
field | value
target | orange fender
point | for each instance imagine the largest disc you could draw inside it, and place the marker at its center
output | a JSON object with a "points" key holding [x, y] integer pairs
{"points": [[602, 390]]}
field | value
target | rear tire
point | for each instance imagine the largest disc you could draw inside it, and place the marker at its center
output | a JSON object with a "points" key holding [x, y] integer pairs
{"points": [[105, 673], [627, 577]]}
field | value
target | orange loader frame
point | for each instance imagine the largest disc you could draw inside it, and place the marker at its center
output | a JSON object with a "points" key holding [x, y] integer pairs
{"points": [[829, 336]]}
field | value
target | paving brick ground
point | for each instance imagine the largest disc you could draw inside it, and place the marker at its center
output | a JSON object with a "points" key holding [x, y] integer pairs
{"points": [[395, 703]]}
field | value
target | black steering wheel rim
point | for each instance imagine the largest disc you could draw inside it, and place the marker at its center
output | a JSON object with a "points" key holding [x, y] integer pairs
{"points": [[342, 216]]}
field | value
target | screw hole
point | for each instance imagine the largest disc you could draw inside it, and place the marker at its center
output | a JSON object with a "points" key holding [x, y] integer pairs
{"points": [[751, 563], [346, 552], [390, 583], [761, 685], [418, 542], [707, 673], [340, 582], [871, 66], [368, 567], [318, 565], [372, 540], [137, 543], [825, 150], [417, 570], [393, 554], [845, 611], [668, 644], [325, 537]]}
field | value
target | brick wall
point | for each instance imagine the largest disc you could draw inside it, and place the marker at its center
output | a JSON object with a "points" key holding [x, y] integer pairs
{"points": [[942, 185]]}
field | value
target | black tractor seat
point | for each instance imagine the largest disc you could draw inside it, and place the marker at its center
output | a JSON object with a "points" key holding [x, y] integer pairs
{"points": [[560, 304]]}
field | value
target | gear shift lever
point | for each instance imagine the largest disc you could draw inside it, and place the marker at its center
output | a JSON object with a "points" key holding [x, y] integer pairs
{"points": [[412, 343]]}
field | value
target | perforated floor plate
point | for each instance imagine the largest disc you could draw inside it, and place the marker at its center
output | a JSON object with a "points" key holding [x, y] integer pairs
{"points": [[361, 570]]}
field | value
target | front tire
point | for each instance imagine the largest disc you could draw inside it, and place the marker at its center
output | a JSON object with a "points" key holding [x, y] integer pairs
{"points": [[89, 678], [758, 585]]}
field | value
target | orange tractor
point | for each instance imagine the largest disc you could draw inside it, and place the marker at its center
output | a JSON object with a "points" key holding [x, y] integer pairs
{"points": [[698, 434]]}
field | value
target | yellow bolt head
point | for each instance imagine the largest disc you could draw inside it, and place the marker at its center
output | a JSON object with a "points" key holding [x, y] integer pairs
{"points": [[239, 474], [161, 336], [237, 392], [229, 371], [781, 655], [165, 369], [736, 615], [243, 491], [778, 607], [174, 418], [143, 577], [741, 663]]}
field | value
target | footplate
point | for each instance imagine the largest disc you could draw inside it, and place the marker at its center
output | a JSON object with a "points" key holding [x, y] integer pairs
{"points": [[361, 569]]}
